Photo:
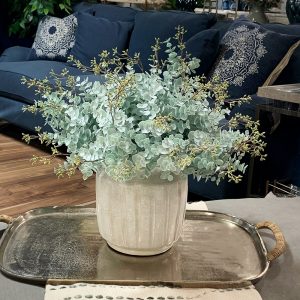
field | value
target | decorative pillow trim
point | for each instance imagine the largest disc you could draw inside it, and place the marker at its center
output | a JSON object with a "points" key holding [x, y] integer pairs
{"points": [[281, 66]]}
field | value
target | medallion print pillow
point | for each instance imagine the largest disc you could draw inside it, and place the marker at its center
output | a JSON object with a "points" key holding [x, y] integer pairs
{"points": [[248, 55], [54, 39]]}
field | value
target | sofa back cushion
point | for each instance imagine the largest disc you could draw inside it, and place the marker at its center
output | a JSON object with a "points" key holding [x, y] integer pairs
{"points": [[153, 24], [94, 34], [114, 12], [291, 73], [222, 26], [108, 11], [84, 6], [11, 74], [249, 53], [204, 45], [15, 53]]}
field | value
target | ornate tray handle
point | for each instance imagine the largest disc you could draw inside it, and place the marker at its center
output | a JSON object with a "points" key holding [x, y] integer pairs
{"points": [[280, 246], [6, 219]]}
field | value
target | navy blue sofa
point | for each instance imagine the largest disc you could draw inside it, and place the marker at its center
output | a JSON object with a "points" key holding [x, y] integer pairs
{"points": [[14, 64]]}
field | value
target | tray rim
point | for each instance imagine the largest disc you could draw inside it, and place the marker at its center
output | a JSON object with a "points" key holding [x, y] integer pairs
{"points": [[37, 212]]}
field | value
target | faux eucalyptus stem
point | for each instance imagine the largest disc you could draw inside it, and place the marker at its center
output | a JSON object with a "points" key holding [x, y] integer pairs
{"points": [[130, 125]]}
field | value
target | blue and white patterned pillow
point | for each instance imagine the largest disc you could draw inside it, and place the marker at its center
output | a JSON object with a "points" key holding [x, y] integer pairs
{"points": [[249, 53], [54, 38]]}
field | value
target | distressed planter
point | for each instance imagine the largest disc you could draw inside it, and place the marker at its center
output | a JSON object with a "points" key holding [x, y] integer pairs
{"points": [[140, 217]]}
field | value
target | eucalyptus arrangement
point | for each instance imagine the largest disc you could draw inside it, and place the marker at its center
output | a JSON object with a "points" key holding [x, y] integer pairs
{"points": [[131, 124]]}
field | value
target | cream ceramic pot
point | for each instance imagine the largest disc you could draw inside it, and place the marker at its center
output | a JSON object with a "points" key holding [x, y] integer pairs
{"points": [[140, 217]]}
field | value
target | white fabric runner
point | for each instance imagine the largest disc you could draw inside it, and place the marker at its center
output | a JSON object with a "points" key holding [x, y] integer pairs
{"points": [[114, 292]]}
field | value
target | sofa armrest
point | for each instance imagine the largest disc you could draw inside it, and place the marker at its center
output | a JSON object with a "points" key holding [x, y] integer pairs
{"points": [[15, 53]]}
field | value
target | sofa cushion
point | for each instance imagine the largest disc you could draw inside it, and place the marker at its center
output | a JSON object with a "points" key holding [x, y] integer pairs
{"points": [[83, 6], [150, 25], [107, 11], [12, 111], [15, 53], [93, 35], [114, 12], [204, 45], [249, 53], [222, 26], [12, 72], [208, 190], [54, 38], [291, 73]]}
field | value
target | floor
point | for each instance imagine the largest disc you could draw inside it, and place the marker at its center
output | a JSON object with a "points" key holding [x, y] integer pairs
{"points": [[24, 187]]}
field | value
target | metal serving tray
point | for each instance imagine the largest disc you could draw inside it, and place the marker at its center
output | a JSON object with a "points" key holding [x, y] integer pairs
{"points": [[63, 244]]}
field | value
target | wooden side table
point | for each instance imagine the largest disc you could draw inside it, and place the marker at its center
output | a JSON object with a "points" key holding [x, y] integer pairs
{"points": [[289, 93], [283, 100]]}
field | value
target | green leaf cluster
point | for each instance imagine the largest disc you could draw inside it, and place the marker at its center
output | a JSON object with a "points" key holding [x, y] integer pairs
{"points": [[130, 125], [25, 15]]}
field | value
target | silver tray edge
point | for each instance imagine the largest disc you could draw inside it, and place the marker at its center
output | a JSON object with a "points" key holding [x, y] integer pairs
{"points": [[245, 225]]}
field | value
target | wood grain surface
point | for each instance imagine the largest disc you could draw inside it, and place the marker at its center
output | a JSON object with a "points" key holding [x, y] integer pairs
{"points": [[24, 187], [287, 92]]}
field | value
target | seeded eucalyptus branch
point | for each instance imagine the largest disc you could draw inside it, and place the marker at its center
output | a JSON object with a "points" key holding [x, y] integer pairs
{"points": [[131, 124]]}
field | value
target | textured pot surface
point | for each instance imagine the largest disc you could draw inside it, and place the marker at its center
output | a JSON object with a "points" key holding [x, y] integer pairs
{"points": [[140, 217]]}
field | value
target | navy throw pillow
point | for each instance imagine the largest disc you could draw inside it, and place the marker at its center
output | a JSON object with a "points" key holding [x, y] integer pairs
{"points": [[54, 38], [150, 25], [248, 55], [204, 45], [94, 35]]}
